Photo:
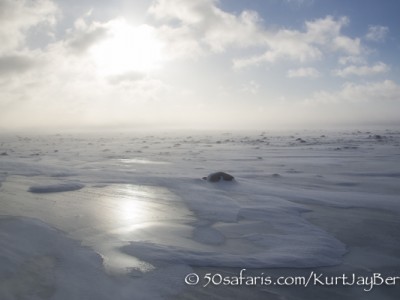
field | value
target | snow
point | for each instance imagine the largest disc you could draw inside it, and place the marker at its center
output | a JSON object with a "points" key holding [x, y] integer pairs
{"points": [[39, 262], [128, 216]]}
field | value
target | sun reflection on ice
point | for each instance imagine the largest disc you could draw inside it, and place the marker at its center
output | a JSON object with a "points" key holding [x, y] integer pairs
{"points": [[133, 205], [135, 213], [103, 217]]}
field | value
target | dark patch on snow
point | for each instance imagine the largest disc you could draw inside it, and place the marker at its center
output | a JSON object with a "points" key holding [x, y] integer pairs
{"points": [[56, 188], [217, 176]]}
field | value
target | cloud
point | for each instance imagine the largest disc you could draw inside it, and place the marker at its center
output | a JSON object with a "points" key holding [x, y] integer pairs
{"points": [[55, 87], [17, 16], [61, 83], [65, 70], [284, 44], [345, 60], [67, 92], [303, 73], [197, 26], [299, 3], [364, 70], [321, 36], [11, 64], [84, 36], [126, 77], [326, 33], [369, 103], [376, 92], [377, 33], [180, 42]]}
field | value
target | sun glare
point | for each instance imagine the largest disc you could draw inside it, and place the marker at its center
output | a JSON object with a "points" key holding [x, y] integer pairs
{"points": [[127, 49]]}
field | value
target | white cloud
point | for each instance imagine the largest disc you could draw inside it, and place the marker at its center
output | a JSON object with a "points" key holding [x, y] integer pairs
{"points": [[377, 33], [200, 26], [55, 86], [66, 91], [197, 27], [299, 2], [203, 26], [283, 44], [377, 92], [282, 48], [371, 103], [326, 33], [354, 70], [189, 12], [321, 36], [347, 45], [356, 60], [17, 16], [303, 72], [84, 36]]}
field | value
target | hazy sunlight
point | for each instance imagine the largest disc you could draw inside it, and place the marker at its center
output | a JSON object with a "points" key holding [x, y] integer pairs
{"points": [[127, 49]]}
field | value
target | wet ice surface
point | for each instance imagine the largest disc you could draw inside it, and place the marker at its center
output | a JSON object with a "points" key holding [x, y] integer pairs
{"points": [[130, 213]]}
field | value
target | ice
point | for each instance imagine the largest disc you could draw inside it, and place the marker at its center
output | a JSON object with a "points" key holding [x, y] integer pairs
{"points": [[208, 235], [55, 188], [128, 215], [39, 262]]}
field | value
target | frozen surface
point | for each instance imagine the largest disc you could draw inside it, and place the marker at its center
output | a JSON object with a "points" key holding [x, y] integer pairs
{"points": [[55, 188], [122, 211], [40, 262]]}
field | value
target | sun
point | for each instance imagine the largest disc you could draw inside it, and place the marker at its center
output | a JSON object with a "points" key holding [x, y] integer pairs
{"points": [[127, 49]]}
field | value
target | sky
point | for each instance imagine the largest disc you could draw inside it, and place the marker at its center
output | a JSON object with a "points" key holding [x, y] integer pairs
{"points": [[199, 64]]}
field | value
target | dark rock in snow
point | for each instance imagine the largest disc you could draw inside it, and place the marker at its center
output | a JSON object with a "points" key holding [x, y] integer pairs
{"points": [[300, 140], [217, 176], [378, 137]]}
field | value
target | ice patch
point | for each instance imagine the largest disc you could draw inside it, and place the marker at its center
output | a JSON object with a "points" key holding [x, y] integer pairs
{"points": [[142, 161], [281, 253], [283, 241], [56, 188], [238, 227], [208, 235], [39, 262], [376, 174]]}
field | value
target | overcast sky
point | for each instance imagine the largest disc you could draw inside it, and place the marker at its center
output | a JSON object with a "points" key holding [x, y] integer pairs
{"points": [[183, 64]]}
